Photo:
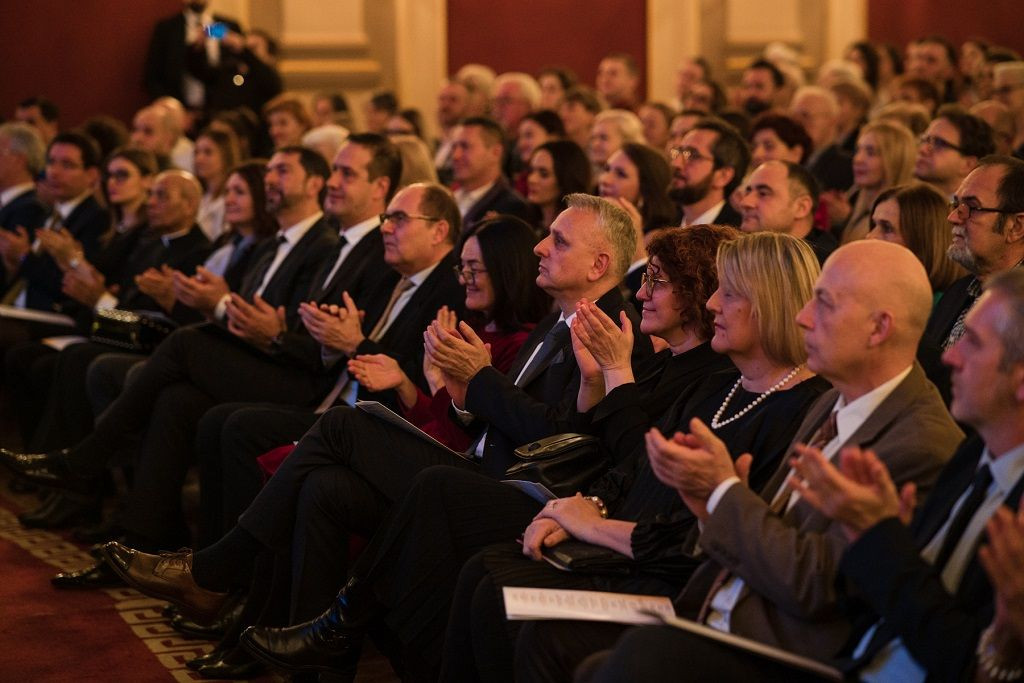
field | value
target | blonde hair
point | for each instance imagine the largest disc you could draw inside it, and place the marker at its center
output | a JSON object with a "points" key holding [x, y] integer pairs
{"points": [[629, 125], [417, 164], [898, 149], [776, 273]]}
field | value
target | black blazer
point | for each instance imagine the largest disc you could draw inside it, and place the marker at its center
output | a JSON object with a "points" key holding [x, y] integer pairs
{"points": [[728, 216], [544, 405], [42, 275], [885, 570], [25, 211], [929, 351], [833, 168], [501, 198], [165, 58], [360, 274], [403, 340], [291, 281]]}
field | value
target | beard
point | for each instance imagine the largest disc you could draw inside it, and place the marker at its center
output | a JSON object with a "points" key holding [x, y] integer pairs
{"points": [[690, 194], [753, 106]]}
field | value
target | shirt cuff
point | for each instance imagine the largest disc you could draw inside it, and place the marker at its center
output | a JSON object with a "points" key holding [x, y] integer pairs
{"points": [[218, 310], [106, 302], [464, 415], [719, 491]]}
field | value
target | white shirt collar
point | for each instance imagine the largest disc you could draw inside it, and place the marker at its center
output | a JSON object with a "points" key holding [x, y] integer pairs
{"points": [[850, 416], [1006, 469], [294, 233], [15, 191], [167, 239], [707, 217], [417, 279], [358, 231], [65, 208]]}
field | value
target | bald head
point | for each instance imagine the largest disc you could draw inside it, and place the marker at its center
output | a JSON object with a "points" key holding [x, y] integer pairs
{"points": [[173, 202], [154, 129], [867, 316]]}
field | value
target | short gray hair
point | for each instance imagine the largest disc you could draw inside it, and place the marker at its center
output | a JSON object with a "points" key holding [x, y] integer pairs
{"points": [[616, 225], [26, 141], [528, 87], [1010, 327]]}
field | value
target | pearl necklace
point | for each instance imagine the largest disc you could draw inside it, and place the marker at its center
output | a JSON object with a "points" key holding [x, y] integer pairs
{"points": [[716, 422]]}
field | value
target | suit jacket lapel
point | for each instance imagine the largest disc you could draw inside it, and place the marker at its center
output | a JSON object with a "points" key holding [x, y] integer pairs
{"points": [[354, 262]]}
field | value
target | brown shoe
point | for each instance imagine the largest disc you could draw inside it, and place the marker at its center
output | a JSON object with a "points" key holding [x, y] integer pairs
{"points": [[167, 576]]}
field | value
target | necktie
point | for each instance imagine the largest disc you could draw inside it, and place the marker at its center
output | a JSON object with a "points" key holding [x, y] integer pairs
{"points": [[974, 499], [553, 340], [826, 432], [334, 259], [403, 285], [257, 281]]}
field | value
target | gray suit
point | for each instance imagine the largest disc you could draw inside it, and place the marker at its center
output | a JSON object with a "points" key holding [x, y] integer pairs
{"points": [[790, 563]]}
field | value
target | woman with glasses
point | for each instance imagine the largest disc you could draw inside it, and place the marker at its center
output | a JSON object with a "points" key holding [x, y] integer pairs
{"points": [[557, 169], [915, 217], [405, 582], [497, 268]]}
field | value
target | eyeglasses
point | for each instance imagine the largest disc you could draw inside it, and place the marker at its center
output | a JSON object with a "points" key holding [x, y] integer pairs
{"points": [[401, 217], [467, 275], [649, 281], [938, 144], [688, 154], [965, 211]]}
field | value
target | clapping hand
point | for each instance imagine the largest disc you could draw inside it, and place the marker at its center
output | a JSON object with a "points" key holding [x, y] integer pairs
{"points": [[84, 284], [203, 291], [335, 327], [257, 323], [1003, 559], [158, 284], [858, 494]]}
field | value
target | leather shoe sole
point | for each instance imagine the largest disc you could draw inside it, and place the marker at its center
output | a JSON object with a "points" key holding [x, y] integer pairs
{"points": [[48, 469], [167, 576], [99, 575]]}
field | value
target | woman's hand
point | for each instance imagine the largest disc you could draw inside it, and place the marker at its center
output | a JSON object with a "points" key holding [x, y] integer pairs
{"points": [[380, 372], [542, 533]]}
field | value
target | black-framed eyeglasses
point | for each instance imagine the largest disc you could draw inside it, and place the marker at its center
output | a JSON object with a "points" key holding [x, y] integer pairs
{"points": [[467, 275], [965, 211], [938, 144], [649, 281], [688, 154], [401, 217]]}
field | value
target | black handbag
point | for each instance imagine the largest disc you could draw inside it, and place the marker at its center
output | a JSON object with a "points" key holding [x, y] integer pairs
{"points": [[564, 463], [578, 556], [139, 331]]}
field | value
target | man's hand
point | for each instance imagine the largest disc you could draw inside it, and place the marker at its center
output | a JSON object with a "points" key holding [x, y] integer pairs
{"points": [[542, 533], [158, 284], [858, 496], [1003, 560], [257, 323], [60, 245], [460, 354], [203, 291], [335, 327], [84, 284], [694, 464], [14, 245]]}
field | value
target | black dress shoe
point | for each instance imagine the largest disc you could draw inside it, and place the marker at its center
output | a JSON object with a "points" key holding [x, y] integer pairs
{"points": [[331, 642], [97, 534], [61, 510], [49, 469], [99, 575], [217, 629], [209, 658], [234, 664]]}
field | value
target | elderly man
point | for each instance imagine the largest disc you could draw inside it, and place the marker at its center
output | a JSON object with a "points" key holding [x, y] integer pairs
{"points": [[154, 128], [22, 157], [706, 167], [771, 558], [515, 94], [950, 148], [817, 109], [921, 594], [780, 196], [1008, 88], [585, 256]]}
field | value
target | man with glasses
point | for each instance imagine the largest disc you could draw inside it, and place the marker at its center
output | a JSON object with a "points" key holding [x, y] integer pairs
{"points": [[706, 167], [987, 218], [950, 148]]}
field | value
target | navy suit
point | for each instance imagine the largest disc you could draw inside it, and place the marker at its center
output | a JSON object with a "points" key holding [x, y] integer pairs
{"points": [[501, 198]]}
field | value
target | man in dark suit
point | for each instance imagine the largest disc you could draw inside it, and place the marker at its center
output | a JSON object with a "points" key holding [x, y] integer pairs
{"points": [[165, 72], [771, 558], [706, 167], [481, 189], [585, 256], [72, 171], [817, 110], [923, 596], [22, 156], [988, 238]]}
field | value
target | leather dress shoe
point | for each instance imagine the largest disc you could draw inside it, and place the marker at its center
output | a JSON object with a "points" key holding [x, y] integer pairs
{"points": [[331, 642], [216, 629], [61, 510], [209, 658], [49, 469], [99, 575], [167, 576], [235, 663]]}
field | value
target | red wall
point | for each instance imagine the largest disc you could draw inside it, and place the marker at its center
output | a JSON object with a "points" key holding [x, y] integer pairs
{"points": [[525, 35], [900, 21], [85, 55]]}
